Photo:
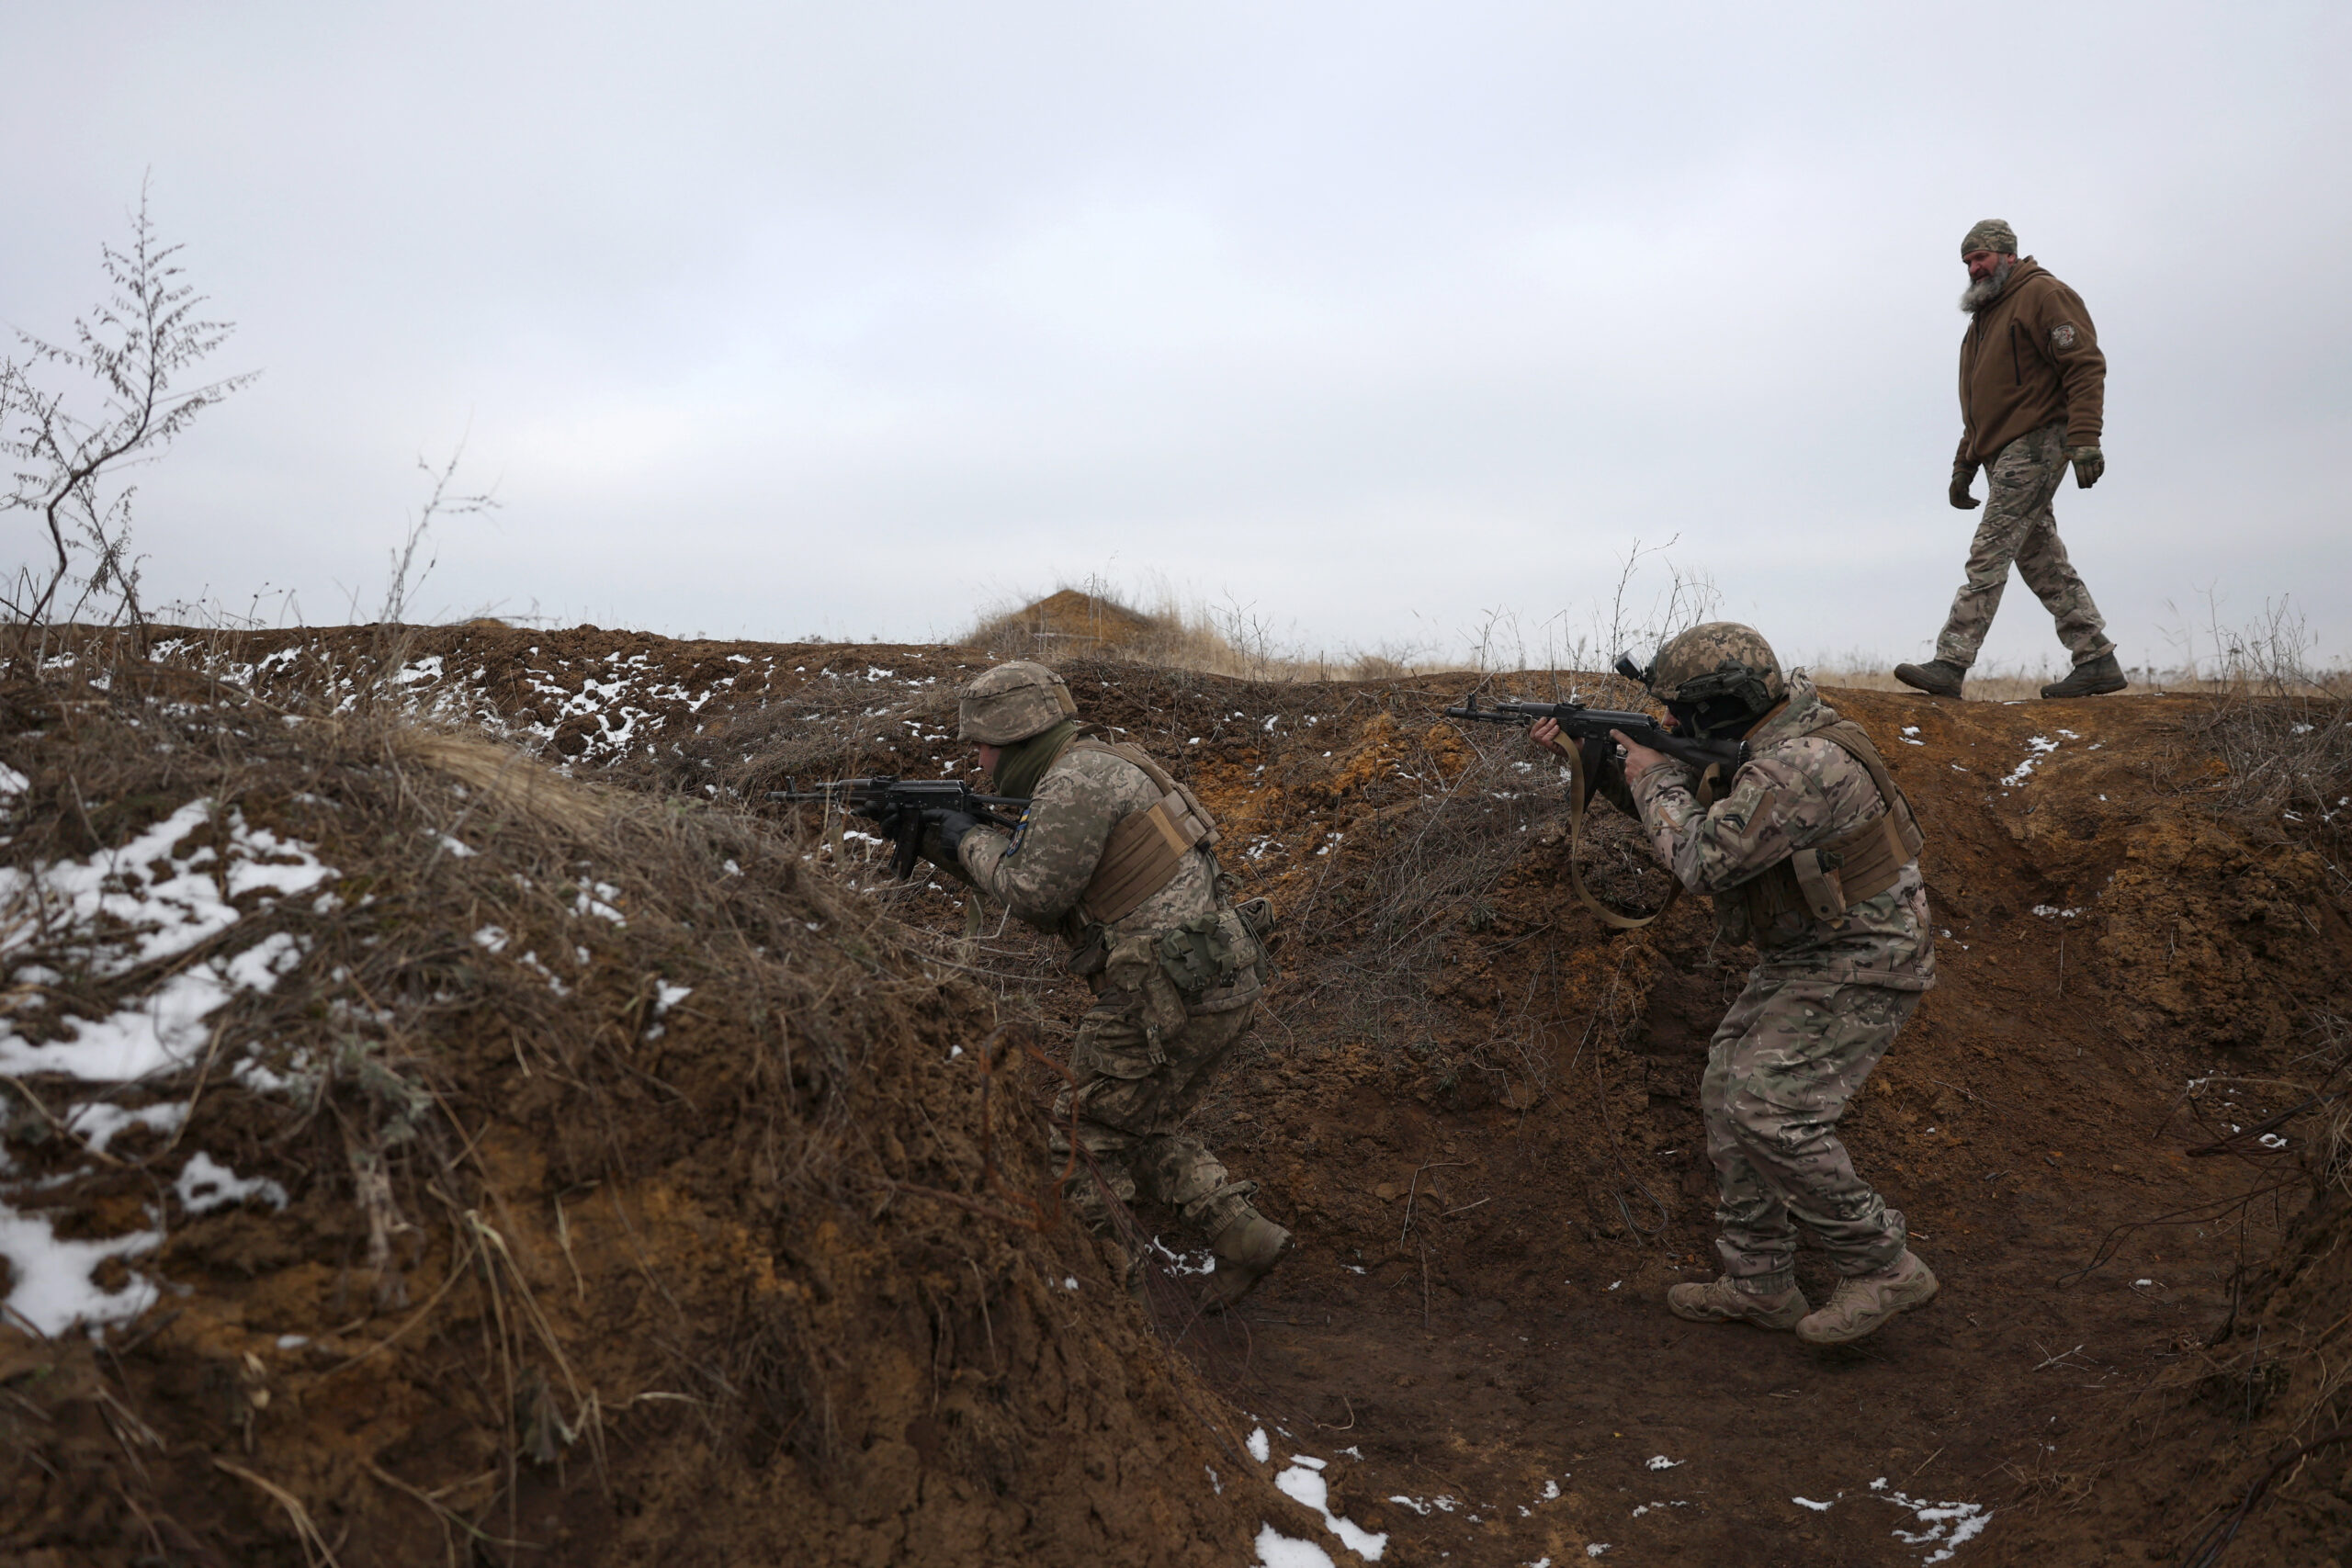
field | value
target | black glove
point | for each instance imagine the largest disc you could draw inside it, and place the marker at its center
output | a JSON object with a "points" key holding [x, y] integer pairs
{"points": [[1960, 476], [951, 827]]}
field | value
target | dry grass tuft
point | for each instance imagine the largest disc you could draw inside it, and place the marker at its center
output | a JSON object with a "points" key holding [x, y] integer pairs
{"points": [[509, 782]]}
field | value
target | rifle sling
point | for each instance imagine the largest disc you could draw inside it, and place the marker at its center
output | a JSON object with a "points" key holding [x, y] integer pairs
{"points": [[1576, 842]]}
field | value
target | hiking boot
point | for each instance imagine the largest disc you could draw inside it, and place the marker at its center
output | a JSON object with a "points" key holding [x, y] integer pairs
{"points": [[1246, 1250], [1862, 1304], [1935, 677], [1720, 1300], [2089, 679]]}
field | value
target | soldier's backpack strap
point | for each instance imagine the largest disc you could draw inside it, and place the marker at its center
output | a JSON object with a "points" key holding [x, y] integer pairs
{"points": [[1145, 849]]}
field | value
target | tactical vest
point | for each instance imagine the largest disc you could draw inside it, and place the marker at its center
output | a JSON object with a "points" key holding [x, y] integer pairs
{"points": [[1146, 848], [1826, 880]]}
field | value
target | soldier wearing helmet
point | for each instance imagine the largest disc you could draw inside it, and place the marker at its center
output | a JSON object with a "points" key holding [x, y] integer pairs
{"points": [[1118, 858], [1809, 851]]}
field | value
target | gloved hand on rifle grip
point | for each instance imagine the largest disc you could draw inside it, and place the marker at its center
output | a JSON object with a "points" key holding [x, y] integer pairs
{"points": [[952, 826]]}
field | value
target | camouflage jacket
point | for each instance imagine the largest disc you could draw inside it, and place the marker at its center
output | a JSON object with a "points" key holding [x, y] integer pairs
{"points": [[1798, 790], [1040, 870]]}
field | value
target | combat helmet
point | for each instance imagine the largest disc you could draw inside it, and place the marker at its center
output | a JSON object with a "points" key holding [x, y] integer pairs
{"points": [[1013, 702], [1718, 678]]}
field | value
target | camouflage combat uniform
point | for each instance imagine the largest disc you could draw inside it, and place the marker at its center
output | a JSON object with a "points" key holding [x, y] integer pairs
{"points": [[1821, 1007], [1145, 1050], [2020, 527]]}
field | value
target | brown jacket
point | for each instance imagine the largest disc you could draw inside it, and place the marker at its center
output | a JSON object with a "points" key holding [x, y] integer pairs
{"points": [[2030, 357]]}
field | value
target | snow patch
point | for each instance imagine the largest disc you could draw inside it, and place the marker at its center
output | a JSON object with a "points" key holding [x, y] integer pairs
{"points": [[1306, 1486], [1950, 1526], [98, 1120], [665, 996], [2042, 746], [1276, 1549], [204, 1185], [52, 1287]]}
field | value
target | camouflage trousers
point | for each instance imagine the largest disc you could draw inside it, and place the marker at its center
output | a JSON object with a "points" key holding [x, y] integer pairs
{"points": [[1782, 1066], [1130, 1095], [2019, 528]]}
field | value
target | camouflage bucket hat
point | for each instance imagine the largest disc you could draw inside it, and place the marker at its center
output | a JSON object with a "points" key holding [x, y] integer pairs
{"points": [[1990, 235], [1013, 702], [1719, 659]]}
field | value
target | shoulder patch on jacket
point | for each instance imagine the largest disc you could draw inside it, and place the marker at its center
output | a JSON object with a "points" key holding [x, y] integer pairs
{"points": [[2062, 335]]}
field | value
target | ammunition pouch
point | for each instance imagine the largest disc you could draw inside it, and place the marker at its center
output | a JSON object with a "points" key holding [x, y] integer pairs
{"points": [[1824, 881], [1146, 848], [1211, 952], [1134, 978]]}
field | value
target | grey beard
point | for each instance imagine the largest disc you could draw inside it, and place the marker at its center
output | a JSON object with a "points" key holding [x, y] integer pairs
{"points": [[1987, 288]]}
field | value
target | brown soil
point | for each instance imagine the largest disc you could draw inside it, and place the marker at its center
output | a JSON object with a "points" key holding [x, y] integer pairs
{"points": [[757, 1333]]}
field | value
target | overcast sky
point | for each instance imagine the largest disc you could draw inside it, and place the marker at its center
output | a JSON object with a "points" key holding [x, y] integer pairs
{"points": [[774, 318]]}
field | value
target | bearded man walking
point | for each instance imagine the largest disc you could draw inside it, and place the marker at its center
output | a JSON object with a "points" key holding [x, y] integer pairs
{"points": [[2033, 393]]}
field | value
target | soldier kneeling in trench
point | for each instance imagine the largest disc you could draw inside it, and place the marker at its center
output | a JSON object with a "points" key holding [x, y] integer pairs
{"points": [[1811, 852], [1116, 856]]}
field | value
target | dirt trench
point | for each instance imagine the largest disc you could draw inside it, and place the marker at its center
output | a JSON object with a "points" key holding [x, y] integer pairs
{"points": [[1477, 1110]]}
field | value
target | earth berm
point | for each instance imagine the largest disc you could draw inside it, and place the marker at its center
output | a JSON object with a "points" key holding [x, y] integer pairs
{"points": [[602, 1170]]}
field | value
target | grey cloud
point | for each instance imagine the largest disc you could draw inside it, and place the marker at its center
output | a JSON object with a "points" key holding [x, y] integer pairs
{"points": [[769, 319]]}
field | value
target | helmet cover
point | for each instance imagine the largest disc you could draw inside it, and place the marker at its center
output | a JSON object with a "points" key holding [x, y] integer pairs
{"points": [[1013, 702], [1719, 666]]}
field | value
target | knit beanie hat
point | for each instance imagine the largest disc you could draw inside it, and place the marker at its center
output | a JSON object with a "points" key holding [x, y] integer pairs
{"points": [[1990, 235]]}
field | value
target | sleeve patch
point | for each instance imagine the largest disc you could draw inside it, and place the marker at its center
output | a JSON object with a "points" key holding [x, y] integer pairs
{"points": [[2061, 337]]}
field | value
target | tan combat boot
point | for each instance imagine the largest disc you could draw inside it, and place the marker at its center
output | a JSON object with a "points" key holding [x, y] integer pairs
{"points": [[1935, 677], [1246, 1250], [1720, 1300], [1863, 1303]]}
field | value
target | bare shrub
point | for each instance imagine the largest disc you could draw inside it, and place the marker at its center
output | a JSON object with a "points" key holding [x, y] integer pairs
{"points": [[2281, 730], [137, 347]]}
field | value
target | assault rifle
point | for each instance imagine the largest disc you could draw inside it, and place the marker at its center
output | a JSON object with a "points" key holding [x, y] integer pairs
{"points": [[1579, 724], [904, 807]]}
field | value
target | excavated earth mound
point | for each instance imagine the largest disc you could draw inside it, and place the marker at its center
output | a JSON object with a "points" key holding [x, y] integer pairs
{"points": [[512, 1168], [1068, 623]]}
